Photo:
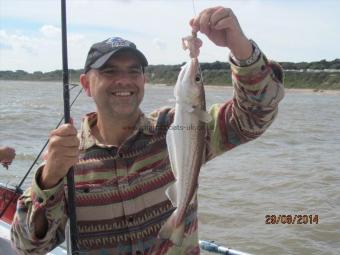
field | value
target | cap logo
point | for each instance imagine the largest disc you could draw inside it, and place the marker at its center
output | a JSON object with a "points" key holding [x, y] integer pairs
{"points": [[118, 42]]}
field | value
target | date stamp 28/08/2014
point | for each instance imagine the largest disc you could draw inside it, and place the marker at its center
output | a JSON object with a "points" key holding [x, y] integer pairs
{"points": [[292, 219]]}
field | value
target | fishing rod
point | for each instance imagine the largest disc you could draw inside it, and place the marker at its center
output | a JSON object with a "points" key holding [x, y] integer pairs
{"points": [[212, 247], [70, 175], [18, 189]]}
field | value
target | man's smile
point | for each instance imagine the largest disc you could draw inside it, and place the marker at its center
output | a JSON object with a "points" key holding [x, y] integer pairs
{"points": [[123, 93]]}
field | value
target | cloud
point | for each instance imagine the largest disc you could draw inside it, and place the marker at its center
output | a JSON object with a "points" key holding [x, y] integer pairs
{"points": [[160, 44], [53, 32], [5, 46], [76, 39], [50, 31], [40, 50], [18, 41], [28, 27]]}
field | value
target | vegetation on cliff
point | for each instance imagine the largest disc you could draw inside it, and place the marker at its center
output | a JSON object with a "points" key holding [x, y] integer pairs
{"points": [[316, 75]]}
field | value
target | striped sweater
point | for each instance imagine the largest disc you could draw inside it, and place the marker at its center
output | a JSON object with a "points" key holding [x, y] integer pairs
{"points": [[120, 192]]}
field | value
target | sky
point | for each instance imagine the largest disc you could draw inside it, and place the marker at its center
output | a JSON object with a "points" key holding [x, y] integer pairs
{"points": [[285, 30]]}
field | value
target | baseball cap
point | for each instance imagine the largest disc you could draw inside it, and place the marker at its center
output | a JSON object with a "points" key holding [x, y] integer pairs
{"points": [[101, 52]]}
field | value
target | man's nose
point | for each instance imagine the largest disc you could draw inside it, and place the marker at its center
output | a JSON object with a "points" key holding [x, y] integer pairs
{"points": [[123, 76]]}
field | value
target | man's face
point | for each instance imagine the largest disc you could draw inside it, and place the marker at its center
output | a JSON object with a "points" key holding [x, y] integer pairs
{"points": [[118, 87]]}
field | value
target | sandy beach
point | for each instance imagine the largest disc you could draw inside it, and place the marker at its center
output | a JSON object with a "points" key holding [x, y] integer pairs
{"points": [[319, 91]]}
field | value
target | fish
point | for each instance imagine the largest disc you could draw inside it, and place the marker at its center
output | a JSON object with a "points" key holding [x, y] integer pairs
{"points": [[185, 140]]}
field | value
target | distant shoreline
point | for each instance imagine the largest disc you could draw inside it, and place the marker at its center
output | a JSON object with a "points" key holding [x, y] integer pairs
{"points": [[317, 76], [212, 86]]}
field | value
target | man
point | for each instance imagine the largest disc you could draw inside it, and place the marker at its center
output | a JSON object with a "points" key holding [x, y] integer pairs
{"points": [[120, 157]]}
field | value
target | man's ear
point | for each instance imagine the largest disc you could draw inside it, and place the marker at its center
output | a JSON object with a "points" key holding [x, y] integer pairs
{"points": [[85, 83]]}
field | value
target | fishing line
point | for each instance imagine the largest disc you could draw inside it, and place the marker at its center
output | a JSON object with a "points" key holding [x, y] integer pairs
{"points": [[73, 86], [18, 187], [193, 7]]}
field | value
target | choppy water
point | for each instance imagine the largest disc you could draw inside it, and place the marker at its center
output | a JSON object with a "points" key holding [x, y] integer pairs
{"points": [[294, 168]]}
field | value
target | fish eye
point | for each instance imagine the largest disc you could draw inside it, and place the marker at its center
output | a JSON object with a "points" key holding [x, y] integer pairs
{"points": [[198, 78]]}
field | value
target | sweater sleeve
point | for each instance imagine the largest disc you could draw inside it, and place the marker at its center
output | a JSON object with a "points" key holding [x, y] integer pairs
{"points": [[258, 89], [33, 200]]}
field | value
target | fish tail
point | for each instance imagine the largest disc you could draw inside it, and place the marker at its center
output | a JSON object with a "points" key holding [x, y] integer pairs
{"points": [[171, 232]]}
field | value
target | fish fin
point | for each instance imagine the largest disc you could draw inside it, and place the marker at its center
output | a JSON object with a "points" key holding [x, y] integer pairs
{"points": [[202, 115], [170, 142], [171, 190], [171, 193], [171, 232]]}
